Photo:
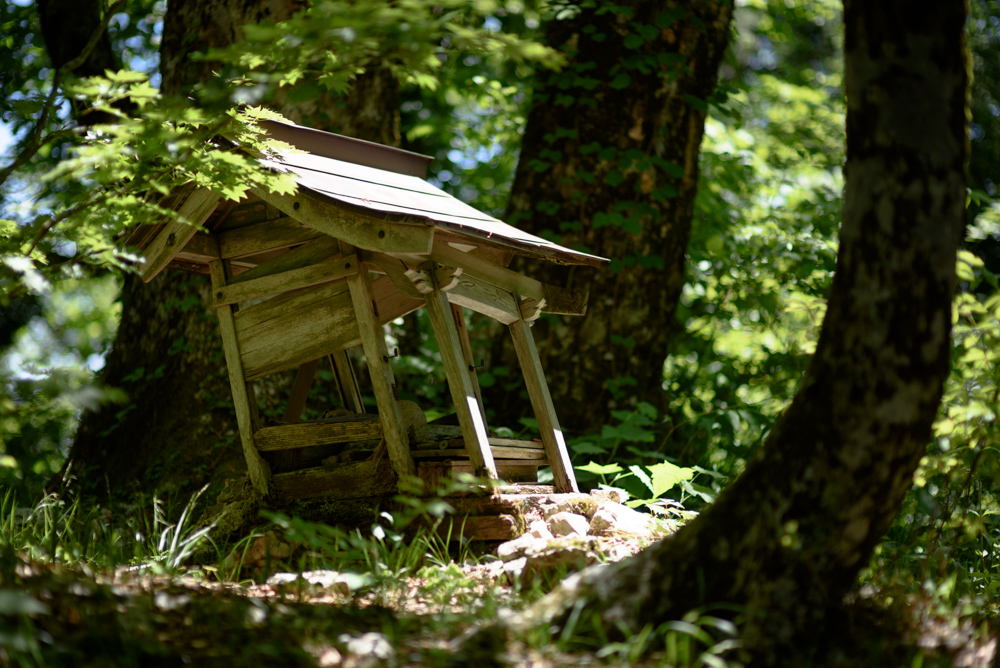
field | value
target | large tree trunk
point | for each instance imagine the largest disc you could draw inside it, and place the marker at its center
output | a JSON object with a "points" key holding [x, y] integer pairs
{"points": [[788, 538], [609, 162], [178, 430]]}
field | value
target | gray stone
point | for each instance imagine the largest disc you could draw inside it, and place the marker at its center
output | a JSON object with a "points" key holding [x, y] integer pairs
{"points": [[540, 530], [567, 524]]}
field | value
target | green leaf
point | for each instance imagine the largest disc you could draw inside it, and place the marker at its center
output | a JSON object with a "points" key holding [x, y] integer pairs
{"points": [[666, 475], [621, 81], [599, 469]]}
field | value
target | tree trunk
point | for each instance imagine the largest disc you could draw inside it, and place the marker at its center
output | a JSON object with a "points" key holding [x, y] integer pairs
{"points": [[178, 430], [787, 539], [609, 163]]}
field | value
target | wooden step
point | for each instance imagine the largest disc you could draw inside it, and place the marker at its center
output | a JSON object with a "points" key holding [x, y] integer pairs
{"points": [[344, 429]]}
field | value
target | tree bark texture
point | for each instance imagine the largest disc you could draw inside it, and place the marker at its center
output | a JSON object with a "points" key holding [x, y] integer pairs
{"points": [[786, 540], [609, 163], [178, 429]]}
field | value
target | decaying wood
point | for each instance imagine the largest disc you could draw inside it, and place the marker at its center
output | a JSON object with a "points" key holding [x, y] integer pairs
{"points": [[347, 481], [566, 301], [383, 382], [196, 209], [347, 382], [498, 452], [358, 230], [201, 248], [481, 297], [305, 255], [300, 391], [293, 328], [396, 270], [437, 474], [470, 419], [485, 527], [268, 235], [286, 281], [445, 278], [246, 409], [306, 434], [459, 442], [541, 403]]}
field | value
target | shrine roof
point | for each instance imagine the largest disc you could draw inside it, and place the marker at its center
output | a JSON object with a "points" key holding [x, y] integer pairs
{"points": [[388, 182]]}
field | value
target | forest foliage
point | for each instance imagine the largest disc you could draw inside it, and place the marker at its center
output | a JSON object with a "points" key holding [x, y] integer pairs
{"points": [[760, 262]]}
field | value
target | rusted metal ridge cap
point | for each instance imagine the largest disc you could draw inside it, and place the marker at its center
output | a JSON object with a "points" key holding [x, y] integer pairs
{"points": [[348, 149]]}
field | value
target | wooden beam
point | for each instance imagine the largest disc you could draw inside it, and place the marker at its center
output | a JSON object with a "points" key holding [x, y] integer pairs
{"points": [[309, 253], [463, 339], [347, 382], [286, 281], [567, 301], [347, 481], [268, 235], [300, 391], [196, 209], [308, 434], [383, 383], [470, 417], [201, 248], [482, 297], [246, 409], [367, 232], [545, 413], [498, 452]]}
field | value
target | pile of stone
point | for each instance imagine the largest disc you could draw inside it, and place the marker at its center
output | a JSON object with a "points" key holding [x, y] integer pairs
{"points": [[567, 536]]}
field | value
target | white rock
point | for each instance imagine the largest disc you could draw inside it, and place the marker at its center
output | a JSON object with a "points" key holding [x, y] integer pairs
{"points": [[540, 530], [338, 582], [567, 524], [513, 549], [614, 518]]}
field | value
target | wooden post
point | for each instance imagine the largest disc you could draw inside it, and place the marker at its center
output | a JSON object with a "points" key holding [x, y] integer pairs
{"points": [[246, 408], [300, 391], [541, 403], [383, 383], [470, 416], [347, 381], [463, 338]]}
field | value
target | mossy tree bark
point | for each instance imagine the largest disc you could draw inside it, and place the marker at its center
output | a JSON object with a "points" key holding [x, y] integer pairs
{"points": [[609, 163], [178, 429], [787, 539]]}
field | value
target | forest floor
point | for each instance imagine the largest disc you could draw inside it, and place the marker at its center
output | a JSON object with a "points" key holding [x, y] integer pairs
{"points": [[401, 603]]}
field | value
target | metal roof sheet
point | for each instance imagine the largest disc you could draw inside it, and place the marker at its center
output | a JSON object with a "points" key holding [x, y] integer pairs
{"points": [[391, 192]]}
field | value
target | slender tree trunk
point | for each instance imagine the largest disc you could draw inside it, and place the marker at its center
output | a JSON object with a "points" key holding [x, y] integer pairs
{"points": [[178, 430], [788, 538], [609, 163]]}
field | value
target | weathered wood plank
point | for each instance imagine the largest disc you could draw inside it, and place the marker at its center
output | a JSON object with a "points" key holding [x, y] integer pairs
{"points": [[309, 253], [383, 384], [463, 338], [498, 452], [358, 230], [286, 281], [470, 419], [195, 210], [290, 329], [246, 409], [347, 481], [566, 301], [308, 434], [347, 382], [269, 235], [201, 248], [495, 442], [545, 413], [300, 391], [482, 297]]}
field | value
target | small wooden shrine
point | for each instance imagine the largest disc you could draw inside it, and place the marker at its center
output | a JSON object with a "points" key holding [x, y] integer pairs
{"points": [[299, 279]]}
